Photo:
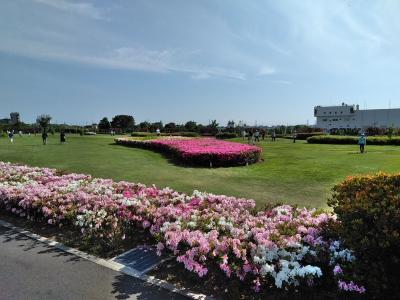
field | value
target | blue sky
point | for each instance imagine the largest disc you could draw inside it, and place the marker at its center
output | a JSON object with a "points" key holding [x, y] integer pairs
{"points": [[261, 61]]}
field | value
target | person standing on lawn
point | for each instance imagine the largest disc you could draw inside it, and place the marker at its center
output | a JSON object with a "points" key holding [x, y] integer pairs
{"points": [[263, 133], [62, 137], [294, 136], [243, 134], [11, 135], [257, 136], [250, 137], [44, 137], [273, 136], [362, 141]]}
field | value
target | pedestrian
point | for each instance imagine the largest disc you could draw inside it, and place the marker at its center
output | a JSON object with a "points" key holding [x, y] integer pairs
{"points": [[263, 133], [243, 134], [250, 137], [158, 131], [257, 136], [362, 141], [44, 137], [20, 133], [11, 136], [273, 136], [62, 137], [294, 136]]}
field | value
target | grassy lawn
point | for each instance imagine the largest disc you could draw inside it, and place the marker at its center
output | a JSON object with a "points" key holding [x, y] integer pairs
{"points": [[298, 173]]}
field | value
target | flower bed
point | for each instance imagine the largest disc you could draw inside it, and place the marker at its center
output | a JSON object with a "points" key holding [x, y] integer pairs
{"points": [[279, 248], [201, 151]]}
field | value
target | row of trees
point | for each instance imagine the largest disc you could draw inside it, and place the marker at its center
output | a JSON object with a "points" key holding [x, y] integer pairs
{"points": [[126, 123]]}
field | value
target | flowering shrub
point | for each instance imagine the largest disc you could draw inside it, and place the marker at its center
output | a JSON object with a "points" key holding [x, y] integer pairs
{"points": [[201, 151], [368, 208], [281, 247]]}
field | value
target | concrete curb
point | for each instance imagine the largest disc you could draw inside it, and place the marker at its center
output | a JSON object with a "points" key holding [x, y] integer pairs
{"points": [[110, 264]]}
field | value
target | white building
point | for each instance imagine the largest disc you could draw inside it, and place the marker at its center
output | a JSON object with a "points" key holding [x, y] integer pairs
{"points": [[351, 117]]}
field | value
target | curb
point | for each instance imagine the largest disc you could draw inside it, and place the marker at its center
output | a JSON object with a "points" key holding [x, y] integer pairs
{"points": [[110, 264]]}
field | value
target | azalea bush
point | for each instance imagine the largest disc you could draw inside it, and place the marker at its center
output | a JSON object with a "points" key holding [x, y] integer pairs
{"points": [[368, 208], [201, 151], [282, 247]]}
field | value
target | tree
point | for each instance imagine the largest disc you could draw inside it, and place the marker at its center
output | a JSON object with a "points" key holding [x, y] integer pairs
{"points": [[104, 124], [44, 122], [170, 127], [210, 129], [144, 126], [191, 126], [231, 126], [156, 125], [123, 122]]}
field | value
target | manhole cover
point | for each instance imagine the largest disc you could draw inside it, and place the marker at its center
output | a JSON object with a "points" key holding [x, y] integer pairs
{"points": [[141, 259]]}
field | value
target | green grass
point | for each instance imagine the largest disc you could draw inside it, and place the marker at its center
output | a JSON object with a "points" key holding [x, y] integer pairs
{"points": [[298, 173]]}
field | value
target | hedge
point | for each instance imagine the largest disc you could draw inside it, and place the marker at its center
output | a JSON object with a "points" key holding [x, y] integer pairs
{"points": [[148, 134], [335, 139], [304, 135], [225, 135], [368, 211]]}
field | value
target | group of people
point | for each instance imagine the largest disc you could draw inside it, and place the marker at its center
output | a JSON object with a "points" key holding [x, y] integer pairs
{"points": [[10, 134], [254, 136]]}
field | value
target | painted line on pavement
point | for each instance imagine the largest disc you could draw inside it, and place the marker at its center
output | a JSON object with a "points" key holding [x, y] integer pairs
{"points": [[110, 264]]}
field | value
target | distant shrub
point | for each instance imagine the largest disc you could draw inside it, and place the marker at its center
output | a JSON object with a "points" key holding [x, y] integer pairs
{"points": [[148, 134], [225, 135], [304, 135], [368, 208], [185, 133], [142, 134], [337, 139]]}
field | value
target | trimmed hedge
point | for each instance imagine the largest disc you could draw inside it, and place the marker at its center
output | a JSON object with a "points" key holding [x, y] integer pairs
{"points": [[304, 135], [368, 208], [225, 135], [337, 139], [148, 134], [142, 134]]}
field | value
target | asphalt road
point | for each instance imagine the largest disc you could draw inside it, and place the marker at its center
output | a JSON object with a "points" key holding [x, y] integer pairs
{"points": [[32, 270]]}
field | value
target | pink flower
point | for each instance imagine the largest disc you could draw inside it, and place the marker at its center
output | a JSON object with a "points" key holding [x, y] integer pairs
{"points": [[337, 270]]}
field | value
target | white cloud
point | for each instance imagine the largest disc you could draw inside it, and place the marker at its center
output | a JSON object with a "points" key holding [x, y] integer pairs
{"points": [[81, 8], [266, 70], [125, 58]]}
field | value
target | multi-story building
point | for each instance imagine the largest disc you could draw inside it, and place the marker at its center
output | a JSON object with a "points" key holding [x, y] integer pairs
{"points": [[352, 117]]}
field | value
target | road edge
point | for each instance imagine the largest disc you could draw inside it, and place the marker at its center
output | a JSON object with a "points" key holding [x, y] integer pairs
{"points": [[108, 264]]}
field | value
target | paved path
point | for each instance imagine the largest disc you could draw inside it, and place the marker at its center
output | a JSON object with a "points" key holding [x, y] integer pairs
{"points": [[32, 270]]}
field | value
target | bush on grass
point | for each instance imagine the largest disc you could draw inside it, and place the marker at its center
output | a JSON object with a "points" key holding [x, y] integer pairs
{"points": [[304, 135], [335, 139], [368, 211], [225, 135]]}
